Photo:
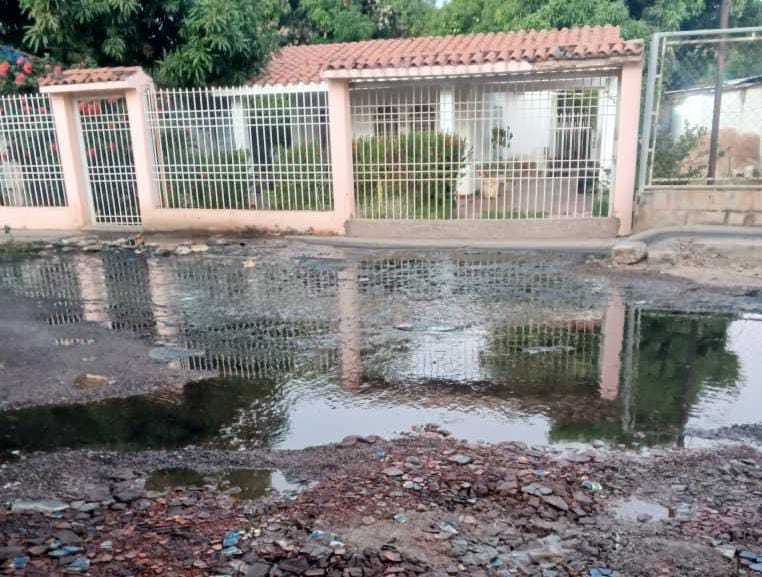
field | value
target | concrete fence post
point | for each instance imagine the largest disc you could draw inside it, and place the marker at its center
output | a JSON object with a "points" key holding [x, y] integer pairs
{"points": [[63, 107], [628, 123], [148, 198], [340, 130]]}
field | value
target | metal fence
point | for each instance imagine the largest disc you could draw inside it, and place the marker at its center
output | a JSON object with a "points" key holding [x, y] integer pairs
{"points": [[242, 148], [30, 169], [490, 149], [702, 123], [104, 125]]}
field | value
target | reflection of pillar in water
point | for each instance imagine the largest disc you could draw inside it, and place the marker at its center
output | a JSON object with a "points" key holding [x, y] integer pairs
{"points": [[349, 328], [160, 288], [92, 288], [631, 344], [611, 346]]}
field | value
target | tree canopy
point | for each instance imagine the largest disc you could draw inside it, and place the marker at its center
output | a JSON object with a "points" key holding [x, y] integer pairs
{"points": [[197, 42]]}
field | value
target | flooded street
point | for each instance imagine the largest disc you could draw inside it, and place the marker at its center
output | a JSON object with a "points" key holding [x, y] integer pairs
{"points": [[279, 408], [289, 346]]}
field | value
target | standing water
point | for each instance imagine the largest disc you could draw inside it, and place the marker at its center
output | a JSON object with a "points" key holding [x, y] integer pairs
{"points": [[309, 349]]}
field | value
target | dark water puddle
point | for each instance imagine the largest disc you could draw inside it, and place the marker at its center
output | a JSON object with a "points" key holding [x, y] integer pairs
{"points": [[241, 484], [310, 350]]}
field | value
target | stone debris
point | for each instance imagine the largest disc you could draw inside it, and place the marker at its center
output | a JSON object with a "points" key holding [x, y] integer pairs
{"points": [[510, 511], [628, 252]]}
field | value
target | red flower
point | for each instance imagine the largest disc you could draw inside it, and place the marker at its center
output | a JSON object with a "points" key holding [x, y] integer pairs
{"points": [[53, 147], [4, 66], [4, 156], [57, 70], [95, 107], [28, 67], [113, 146], [111, 125], [91, 152], [20, 60], [20, 78], [43, 110]]}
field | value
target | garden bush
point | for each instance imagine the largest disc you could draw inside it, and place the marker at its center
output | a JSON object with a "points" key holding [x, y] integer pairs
{"points": [[301, 179], [198, 177], [424, 164]]}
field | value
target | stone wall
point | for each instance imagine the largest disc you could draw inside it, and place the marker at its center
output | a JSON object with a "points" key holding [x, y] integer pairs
{"points": [[680, 207]]}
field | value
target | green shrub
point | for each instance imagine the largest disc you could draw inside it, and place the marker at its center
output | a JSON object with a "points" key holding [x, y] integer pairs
{"points": [[426, 165], [195, 177], [670, 154], [301, 179]]}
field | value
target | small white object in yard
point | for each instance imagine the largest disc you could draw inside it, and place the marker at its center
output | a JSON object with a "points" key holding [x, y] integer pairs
{"points": [[629, 252], [249, 263], [199, 248]]}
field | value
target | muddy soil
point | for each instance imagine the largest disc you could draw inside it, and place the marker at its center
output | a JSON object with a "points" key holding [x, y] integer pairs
{"points": [[421, 505], [41, 362], [710, 262]]}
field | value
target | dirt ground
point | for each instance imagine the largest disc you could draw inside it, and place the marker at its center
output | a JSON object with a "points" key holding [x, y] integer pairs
{"points": [[713, 262], [421, 505]]}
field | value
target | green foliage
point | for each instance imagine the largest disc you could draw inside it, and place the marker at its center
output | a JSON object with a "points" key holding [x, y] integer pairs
{"points": [[311, 21], [638, 18], [183, 42], [670, 155], [302, 179], [220, 179], [422, 167], [222, 41]]}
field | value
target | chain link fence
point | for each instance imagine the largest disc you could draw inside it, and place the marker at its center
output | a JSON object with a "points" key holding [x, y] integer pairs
{"points": [[703, 110]]}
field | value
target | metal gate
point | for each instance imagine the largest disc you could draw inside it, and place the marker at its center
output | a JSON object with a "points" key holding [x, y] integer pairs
{"points": [[107, 154], [701, 119]]}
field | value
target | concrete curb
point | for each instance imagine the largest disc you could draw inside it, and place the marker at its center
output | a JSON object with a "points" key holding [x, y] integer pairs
{"points": [[591, 246], [655, 235]]}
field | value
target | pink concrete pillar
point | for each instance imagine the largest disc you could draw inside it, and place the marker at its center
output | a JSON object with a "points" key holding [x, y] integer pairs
{"points": [[142, 152], [340, 121], [628, 125], [612, 342], [63, 107]]}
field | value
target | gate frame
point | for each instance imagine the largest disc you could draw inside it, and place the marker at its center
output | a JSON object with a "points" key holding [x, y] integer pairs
{"points": [[651, 109], [86, 166], [64, 99]]}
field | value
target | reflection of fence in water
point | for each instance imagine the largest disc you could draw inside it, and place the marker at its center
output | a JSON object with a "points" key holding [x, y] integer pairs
{"points": [[562, 355], [52, 280], [261, 347]]}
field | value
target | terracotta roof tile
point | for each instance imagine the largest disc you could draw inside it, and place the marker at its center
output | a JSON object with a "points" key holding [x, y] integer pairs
{"points": [[295, 64], [90, 75]]}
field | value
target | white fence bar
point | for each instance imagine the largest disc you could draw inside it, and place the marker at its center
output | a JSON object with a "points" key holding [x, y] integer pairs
{"points": [[242, 148], [107, 150], [485, 149], [30, 168]]}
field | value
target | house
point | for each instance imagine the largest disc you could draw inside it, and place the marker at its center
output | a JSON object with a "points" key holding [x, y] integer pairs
{"points": [[740, 146], [527, 131]]}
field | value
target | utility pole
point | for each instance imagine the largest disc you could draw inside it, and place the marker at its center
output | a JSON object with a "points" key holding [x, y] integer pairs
{"points": [[718, 82]]}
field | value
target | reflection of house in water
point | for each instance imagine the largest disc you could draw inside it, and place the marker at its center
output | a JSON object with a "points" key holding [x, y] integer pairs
{"points": [[511, 337]]}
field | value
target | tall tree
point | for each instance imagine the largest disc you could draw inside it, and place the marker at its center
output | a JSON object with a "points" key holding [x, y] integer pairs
{"points": [[184, 42]]}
